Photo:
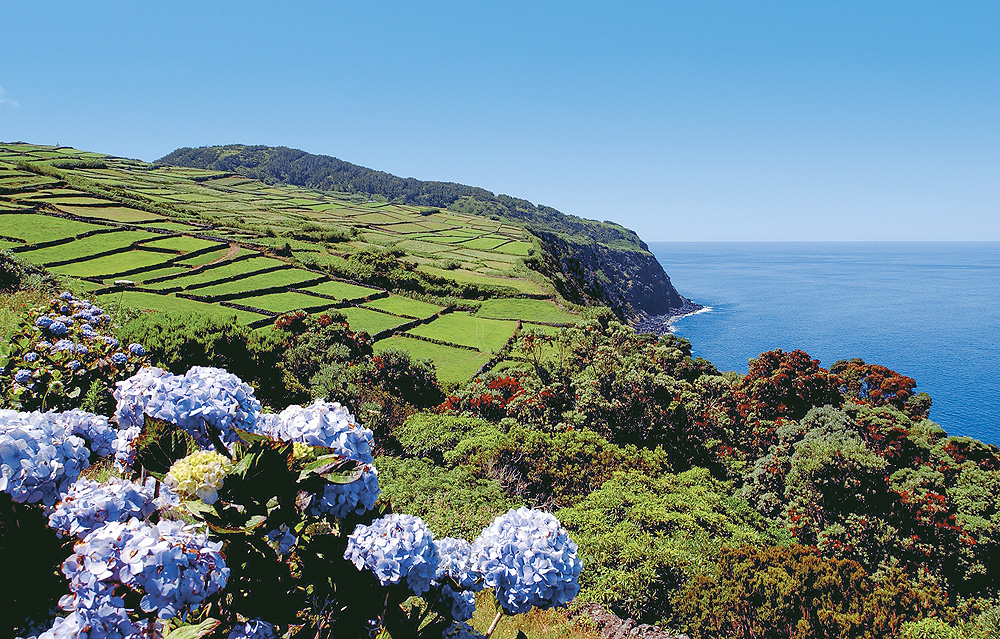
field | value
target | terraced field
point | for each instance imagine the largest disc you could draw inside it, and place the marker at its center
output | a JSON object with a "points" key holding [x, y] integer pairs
{"points": [[175, 239]]}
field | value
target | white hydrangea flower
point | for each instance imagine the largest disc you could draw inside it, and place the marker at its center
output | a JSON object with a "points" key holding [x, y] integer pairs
{"points": [[200, 475]]}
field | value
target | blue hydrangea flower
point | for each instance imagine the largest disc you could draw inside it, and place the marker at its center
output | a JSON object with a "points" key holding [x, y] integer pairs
{"points": [[462, 604], [22, 376], [456, 563], [136, 349], [94, 429], [396, 547], [119, 359], [529, 560], [253, 629], [58, 329], [39, 457], [66, 295], [340, 500], [73, 364], [89, 505], [30, 357], [43, 322], [111, 341], [63, 345], [322, 423]]}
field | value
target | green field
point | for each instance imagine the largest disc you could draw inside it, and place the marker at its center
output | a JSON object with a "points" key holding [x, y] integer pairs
{"points": [[171, 304], [87, 246], [182, 243], [537, 310], [460, 275], [452, 364], [113, 213], [405, 306], [34, 228], [283, 302], [372, 322], [487, 335], [342, 290], [285, 277], [149, 274], [223, 270], [110, 264]]}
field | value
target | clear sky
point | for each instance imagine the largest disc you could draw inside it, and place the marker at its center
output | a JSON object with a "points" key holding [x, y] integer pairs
{"points": [[683, 120]]}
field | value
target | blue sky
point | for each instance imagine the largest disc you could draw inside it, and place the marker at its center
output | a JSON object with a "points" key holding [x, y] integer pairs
{"points": [[702, 121]]}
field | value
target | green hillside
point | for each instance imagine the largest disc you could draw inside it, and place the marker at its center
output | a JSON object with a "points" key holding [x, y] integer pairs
{"points": [[588, 261], [454, 286]]}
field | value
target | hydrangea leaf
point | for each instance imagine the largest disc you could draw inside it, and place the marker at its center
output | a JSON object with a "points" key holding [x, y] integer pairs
{"points": [[161, 444], [204, 629], [334, 469]]}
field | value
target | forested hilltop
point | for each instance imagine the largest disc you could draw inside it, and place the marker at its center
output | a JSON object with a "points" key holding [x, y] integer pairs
{"points": [[589, 261]]}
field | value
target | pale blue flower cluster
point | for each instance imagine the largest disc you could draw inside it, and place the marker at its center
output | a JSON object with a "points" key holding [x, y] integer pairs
{"points": [[322, 424], [39, 456], [396, 547], [281, 540], [253, 629], [340, 500], [526, 556], [463, 604], [202, 401], [94, 429], [89, 505], [174, 566], [456, 563]]}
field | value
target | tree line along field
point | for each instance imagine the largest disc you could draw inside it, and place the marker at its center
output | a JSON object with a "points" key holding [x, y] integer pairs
{"points": [[165, 238]]}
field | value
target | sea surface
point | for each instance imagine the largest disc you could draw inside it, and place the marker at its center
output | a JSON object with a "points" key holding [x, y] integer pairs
{"points": [[927, 310]]}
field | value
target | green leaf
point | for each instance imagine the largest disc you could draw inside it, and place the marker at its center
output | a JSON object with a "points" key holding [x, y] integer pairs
{"points": [[203, 629], [251, 438], [334, 469], [161, 444]]}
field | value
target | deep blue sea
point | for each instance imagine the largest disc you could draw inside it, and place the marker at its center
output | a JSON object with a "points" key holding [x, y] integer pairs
{"points": [[927, 310]]}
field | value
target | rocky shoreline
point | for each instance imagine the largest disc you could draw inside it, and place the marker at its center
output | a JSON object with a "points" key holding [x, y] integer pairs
{"points": [[663, 324]]}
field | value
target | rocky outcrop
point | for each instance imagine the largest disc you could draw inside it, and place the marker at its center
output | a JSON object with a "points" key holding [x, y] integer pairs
{"points": [[610, 626], [629, 281]]}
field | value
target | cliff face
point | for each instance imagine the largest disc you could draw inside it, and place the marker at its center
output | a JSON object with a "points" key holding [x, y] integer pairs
{"points": [[630, 282]]}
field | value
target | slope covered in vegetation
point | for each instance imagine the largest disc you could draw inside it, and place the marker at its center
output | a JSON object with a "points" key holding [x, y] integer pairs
{"points": [[589, 261]]}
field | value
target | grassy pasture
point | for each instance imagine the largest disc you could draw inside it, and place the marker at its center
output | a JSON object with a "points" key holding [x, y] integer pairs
{"points": [[110, 264], [34, 228], [183, 243], [342, 290], [173, 226], [286, 277], [207, 258], [488, 335], [113, 213], [405, 306], [80, 200], [283, 302], [171, 304], [86, 246], [226, 269], [514, 248], [462, 275], [149, 274], [528, 310], [452, 364], [370, 321], [5, 244]]}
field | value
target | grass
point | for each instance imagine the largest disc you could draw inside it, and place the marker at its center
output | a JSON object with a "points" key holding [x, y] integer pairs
{"points": [[86, 246], [526, 309], [487, 335], [537, 624], [173, 226], [208, 258], [283, 302], [171, 304], [453, 364], [33, 228], [113, 213], [342, 290], [372, 322], [405, 306], [149, 274], [286, 277], [470, 277], [110, 264], [182, 243], [226, 269]]}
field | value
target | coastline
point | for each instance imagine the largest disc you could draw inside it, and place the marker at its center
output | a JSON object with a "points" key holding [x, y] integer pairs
{"points": [[663, 324]]}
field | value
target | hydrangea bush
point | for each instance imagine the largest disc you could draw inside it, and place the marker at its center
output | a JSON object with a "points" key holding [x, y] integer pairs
{"points": [[229, 522], [63, 353]]}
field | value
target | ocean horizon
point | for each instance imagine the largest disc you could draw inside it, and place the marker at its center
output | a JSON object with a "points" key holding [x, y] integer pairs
{"points": [[928, 310]]}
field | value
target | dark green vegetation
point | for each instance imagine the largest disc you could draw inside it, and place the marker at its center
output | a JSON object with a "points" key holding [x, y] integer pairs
{"points": [[588, 261]]}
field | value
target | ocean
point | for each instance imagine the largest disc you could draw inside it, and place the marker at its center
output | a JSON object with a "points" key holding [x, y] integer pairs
{"points": [[927, 310]]}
